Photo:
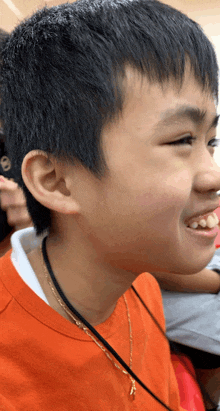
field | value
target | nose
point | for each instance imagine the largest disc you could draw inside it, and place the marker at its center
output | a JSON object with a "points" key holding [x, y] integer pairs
{"points": [[208, 176]]}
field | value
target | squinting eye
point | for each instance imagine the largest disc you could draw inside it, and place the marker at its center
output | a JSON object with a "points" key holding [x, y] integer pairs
{"points": [[215, 142], [182, 141]]}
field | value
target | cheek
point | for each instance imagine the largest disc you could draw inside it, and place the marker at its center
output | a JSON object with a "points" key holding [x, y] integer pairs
{"points": [[142, 207], [163, 203], [178, 182], [171, 191]]}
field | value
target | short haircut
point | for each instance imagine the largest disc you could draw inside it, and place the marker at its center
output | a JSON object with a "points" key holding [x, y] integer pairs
{"points": [[62, 70]]}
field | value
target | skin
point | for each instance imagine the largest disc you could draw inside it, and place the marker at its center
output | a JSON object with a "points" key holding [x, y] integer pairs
{"points": [[14, 203], [106, 232], [205, 281]]}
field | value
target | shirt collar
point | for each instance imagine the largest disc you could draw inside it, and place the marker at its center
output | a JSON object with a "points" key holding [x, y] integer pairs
{"points": [[23, 241]]}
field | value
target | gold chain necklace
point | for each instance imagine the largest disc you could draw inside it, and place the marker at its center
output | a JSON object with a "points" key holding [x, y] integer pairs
{"points": [[80, 325]]}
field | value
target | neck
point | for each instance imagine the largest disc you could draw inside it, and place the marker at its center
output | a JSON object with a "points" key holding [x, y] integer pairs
{"points": [[92, 288]]}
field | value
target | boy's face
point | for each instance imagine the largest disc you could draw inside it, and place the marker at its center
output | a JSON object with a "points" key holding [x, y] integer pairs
{"points": [[160, 173]]}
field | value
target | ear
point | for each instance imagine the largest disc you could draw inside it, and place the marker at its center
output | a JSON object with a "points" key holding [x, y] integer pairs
{"points": [[49, 182]]}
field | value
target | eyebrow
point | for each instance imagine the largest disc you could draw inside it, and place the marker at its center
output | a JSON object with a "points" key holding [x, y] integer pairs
{"points": [[194, 114]]}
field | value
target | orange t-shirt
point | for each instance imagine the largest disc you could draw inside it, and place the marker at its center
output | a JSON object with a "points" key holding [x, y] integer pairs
{"points": [[48, 364]]}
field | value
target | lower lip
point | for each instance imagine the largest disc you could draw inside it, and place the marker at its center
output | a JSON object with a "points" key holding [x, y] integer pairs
{"points": [[210, 233]]}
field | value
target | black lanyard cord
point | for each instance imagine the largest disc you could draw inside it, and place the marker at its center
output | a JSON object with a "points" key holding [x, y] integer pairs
{"points": [[149, 312], [107, 345], [93, 330]]}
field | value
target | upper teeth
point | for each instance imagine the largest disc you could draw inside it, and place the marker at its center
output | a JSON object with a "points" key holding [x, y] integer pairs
{"points": [[211, 222]]}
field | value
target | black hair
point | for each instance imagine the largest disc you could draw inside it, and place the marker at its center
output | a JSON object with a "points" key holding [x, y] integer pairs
{"points": [[62, 70], [3, 37]]}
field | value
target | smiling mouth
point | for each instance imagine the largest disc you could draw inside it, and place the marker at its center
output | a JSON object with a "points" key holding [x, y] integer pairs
{"points": [[206, 222]]}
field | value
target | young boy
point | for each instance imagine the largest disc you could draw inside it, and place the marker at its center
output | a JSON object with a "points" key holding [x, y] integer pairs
{"points": [[109, 110]]}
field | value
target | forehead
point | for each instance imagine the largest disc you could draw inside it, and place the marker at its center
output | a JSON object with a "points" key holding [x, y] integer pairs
{"points": [[152, 110], [167, 101]]}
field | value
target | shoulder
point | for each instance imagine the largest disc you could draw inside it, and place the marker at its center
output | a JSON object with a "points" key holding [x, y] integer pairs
{"points": [[148, 286], [149, 290], [5, 268]]}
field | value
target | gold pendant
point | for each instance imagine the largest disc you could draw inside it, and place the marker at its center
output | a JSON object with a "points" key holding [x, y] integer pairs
{"points": [[133, 388]]}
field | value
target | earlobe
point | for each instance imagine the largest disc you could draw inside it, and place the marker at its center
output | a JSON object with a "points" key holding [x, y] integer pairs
{"points": [[45, 178]]}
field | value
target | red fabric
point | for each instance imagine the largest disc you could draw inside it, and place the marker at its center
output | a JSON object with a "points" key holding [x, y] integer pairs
{"points": [[190, 394]]}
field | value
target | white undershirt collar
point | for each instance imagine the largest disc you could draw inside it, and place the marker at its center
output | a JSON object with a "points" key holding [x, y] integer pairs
{"points": [[23, 241]]}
